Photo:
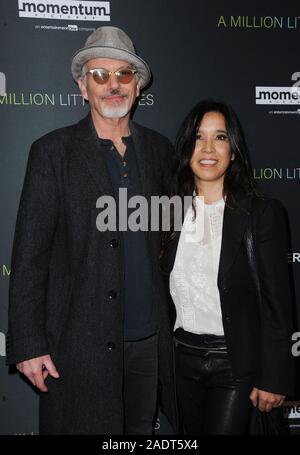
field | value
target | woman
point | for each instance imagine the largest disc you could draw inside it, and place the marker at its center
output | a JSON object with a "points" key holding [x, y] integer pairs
{"points": [[228, 281]]}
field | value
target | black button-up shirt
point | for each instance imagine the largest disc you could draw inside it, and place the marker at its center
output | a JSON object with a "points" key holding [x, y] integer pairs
{"points": [[140, 320]]}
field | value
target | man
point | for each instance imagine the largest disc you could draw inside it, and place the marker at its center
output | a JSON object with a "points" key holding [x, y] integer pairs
{"points": [[88, 322]]}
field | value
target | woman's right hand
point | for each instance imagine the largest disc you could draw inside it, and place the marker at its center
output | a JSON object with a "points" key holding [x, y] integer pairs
{"points": [[266, 401]]}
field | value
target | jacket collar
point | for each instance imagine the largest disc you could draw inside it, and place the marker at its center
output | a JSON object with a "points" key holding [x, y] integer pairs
{"points": [[236, 217], [144, 157], [90, 152]]}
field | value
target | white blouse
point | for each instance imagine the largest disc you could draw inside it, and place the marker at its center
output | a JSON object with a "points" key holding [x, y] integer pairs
{"points": [[193, 280]]}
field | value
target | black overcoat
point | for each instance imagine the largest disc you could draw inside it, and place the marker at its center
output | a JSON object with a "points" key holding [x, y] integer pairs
{"points": [[67, 278]]}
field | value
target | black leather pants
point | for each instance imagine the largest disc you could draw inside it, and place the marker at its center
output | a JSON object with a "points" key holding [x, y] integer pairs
{"points": [[210, 399]]}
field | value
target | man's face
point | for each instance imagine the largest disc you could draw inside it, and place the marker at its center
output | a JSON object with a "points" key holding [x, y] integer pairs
{"points": [[112, 99]]}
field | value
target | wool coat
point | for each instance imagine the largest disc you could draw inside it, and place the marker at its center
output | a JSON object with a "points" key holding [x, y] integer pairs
{"points": [[67, 279]]}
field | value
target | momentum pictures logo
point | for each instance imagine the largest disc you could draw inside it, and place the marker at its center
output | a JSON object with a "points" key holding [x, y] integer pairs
{"points": [[291, 409], [280, 96], [65, 10]]}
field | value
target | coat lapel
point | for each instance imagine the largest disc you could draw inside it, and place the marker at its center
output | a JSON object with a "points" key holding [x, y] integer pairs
{"points": [[236, 218], [144, 159], [169, 254], [90, 154]]}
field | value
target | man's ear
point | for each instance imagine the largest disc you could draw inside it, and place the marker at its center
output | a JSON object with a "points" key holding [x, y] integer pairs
{"points": [[82, 88], [138, 88]]}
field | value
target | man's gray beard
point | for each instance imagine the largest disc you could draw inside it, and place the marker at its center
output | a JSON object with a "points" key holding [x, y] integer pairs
{"points": [[115, 111]]}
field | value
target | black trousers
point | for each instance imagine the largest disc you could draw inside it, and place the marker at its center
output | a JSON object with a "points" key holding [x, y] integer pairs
{"points": [[140, 385], [210, 399]]}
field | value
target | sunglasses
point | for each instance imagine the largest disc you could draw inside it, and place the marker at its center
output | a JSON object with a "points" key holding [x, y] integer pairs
{"points": [[123, 75]]}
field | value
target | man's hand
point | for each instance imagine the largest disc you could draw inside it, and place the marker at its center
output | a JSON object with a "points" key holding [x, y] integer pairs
{"points": [[37, 370], [266, 400]]}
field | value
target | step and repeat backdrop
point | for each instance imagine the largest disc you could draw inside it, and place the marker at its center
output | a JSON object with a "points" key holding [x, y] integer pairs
{"points": [[244, 53]]}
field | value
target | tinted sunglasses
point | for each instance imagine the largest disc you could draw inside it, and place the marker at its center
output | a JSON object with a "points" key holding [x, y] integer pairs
{"points": [[123, 75]]}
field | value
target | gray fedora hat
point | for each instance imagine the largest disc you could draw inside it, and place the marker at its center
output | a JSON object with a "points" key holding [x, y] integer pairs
{"points": [[110, 42]]}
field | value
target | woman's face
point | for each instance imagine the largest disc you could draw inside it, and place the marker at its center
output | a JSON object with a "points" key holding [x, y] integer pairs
{"points": [[212, 154]]}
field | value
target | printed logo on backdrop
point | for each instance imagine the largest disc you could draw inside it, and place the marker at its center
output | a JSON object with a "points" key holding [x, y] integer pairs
{"points": [[280, 96], [2, 84], [5, 270], [65, 10], [42, 99], [291, 412], [2, 345], [277, 173], [65, 100], [259, 22], [291, 409], [294, 258], [83, 10]]}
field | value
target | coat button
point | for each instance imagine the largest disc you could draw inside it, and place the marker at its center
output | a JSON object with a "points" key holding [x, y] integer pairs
{"points": [[228, 319], [112, 294], [110, 346], [113, 243]]}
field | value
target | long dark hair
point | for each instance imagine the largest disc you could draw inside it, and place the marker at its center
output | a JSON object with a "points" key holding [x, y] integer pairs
{"points": [[238, 175]]}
